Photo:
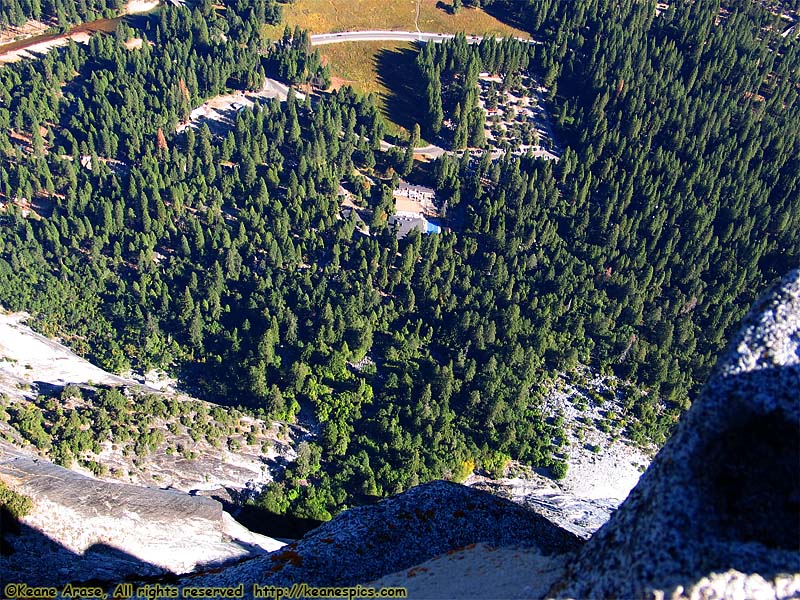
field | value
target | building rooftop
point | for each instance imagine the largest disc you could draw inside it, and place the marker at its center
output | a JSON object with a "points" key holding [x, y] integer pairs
{"points": [[404, 186], [405, 225]]}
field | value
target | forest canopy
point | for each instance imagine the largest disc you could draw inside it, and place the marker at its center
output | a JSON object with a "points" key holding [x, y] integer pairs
{"points": [[224, 256]]}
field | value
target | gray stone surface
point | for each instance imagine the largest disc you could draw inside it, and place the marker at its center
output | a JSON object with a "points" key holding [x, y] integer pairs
{"points": [[365, 543], [82, 528], [717, 514]]}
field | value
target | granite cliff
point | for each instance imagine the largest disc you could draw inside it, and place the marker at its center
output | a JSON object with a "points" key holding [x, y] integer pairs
{"points": [[84, 529], [717, 514]]}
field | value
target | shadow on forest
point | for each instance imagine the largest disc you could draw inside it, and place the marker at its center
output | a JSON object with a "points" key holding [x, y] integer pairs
{"points": [[397, 71], [448, 8], [502, 13]]}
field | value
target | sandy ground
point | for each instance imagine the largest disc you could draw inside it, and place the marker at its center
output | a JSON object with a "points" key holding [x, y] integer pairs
{"points": [[134, 43], [479, 571], [338, 82], [220, 112], [407, 205], [34, 28], [29, 29]]}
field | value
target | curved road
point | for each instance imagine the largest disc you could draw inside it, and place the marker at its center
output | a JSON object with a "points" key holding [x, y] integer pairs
{"points": [[276, 89], [322, 39]]}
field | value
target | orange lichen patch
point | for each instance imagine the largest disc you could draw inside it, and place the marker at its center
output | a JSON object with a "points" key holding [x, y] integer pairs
{"points": [[327, 540], [286, 557], [459, 514]]}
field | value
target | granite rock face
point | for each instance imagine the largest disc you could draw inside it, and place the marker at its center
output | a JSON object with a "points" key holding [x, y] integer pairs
{"points": [[365, 543], [83, 529], [717, 514]]}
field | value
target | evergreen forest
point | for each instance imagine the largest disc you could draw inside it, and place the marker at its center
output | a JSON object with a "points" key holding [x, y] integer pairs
{"points": [[224, 257]]}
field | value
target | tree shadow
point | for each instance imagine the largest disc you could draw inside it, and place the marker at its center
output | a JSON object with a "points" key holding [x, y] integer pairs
{"points": [[423, 174], [397, 72], [503, 13], [448, 8]]}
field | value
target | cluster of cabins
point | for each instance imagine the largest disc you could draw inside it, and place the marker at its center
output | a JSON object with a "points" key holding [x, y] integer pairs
{"points": [[413, 205]]}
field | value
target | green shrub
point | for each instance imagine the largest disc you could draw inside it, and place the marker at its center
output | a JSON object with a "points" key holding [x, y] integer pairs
{"points": [[15, 503], [559, 469]]}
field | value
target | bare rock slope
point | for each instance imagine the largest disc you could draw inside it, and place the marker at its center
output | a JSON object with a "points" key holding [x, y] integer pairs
{"points": [[33, 367], [365, 543], [82, 528], [715, 516]]}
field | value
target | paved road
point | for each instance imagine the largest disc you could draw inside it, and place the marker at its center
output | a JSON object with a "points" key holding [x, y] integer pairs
{"points": [[390, 36]]}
